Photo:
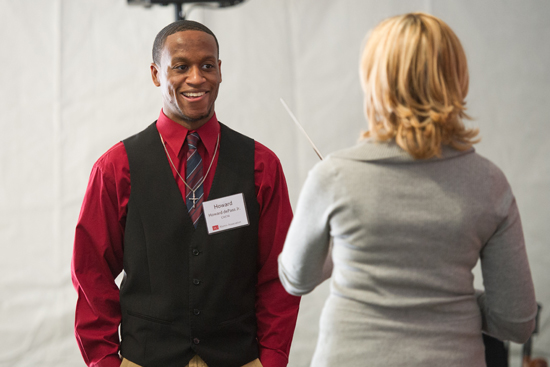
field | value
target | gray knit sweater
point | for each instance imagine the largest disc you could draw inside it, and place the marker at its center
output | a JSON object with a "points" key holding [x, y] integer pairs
{"points": [[405, 236]]}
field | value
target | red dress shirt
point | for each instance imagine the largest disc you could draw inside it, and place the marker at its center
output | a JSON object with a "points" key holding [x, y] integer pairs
{"points": [[99, 238]]}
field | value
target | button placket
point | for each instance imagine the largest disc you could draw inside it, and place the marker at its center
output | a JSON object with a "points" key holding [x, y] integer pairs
{"points": [[195, 252]]}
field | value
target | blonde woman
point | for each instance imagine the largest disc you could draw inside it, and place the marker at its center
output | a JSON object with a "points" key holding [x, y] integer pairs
{"points": [[411, 209]]}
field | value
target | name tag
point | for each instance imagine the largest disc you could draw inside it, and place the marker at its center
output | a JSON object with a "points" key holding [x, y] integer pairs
{"points": [[225, 213]]}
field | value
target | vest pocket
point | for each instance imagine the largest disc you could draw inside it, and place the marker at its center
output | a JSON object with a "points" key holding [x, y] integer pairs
{"points": [[149, 318], [240, 318]]}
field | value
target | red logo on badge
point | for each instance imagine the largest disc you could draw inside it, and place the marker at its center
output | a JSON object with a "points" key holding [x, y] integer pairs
{"points": [[215, 228]]}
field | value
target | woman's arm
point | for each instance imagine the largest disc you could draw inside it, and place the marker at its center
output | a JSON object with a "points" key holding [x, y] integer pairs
{"points": [[305, 261], [508, 305]]}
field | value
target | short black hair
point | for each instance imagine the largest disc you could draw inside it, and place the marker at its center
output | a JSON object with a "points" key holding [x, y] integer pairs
{"points": [[178, 26]]}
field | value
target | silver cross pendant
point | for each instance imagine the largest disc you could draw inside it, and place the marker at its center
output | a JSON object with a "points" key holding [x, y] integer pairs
{"points": [[194, 199]]}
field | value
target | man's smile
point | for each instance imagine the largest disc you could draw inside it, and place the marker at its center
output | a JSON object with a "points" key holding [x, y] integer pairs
{"points": [[193, 96]]}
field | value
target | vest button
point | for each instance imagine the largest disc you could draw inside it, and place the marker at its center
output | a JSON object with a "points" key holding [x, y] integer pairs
{"points": [[196, 340], [197, 312], [196, 252], [196, 282]]}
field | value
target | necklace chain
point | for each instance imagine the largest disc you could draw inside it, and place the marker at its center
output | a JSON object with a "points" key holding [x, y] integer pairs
{"points": [[175, 169]]}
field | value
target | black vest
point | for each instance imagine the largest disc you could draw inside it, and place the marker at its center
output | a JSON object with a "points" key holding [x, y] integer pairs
{"points": [[186, 292]]}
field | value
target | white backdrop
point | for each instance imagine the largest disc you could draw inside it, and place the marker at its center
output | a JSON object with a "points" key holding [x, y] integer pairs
{"points": [[75, 80]]}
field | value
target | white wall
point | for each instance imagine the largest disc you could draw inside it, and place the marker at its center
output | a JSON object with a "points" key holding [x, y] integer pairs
{"points": [[75, 80]]}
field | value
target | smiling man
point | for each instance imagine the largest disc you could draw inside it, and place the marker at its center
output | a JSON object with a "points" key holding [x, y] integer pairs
{"points": [[199, 289]]}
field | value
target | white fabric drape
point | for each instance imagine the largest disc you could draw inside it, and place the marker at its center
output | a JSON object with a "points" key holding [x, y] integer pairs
{"points": [[75, 80]]}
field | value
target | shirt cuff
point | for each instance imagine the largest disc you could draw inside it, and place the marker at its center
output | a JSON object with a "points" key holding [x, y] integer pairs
{"points": [[272, 358], [109, 361]]}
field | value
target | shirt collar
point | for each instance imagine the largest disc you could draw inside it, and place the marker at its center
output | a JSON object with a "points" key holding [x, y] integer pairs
{"points": [[175, 134], [390, 152]]}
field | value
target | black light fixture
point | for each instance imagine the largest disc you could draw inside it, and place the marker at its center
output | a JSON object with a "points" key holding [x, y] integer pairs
{"points": [[179, 4]]}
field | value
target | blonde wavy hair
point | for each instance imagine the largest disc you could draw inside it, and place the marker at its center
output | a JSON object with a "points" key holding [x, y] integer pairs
{"points": [[415, 78]]}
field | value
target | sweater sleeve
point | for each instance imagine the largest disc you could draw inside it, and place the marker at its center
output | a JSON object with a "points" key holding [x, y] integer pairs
{"points": [[508, 305], [305, 261]]}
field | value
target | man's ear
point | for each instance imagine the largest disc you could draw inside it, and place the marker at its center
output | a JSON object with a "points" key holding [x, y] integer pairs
{"points": [[155, 74], [220, 69]]}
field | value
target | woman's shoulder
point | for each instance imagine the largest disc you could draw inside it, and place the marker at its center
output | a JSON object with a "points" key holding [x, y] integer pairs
{"points": [[488, 175]]}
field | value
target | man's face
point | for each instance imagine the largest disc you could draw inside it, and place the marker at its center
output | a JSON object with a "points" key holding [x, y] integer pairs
{"points": [[189, 75]]}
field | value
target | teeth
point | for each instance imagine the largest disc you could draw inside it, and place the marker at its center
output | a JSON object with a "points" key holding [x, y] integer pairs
{"points": [[194, 94]]}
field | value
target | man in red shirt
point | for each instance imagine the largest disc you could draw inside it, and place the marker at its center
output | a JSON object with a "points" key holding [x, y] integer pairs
{"points": [[194, 215]]}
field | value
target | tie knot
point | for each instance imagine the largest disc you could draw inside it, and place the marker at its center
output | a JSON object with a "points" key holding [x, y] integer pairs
{"points": [[193, 140]]}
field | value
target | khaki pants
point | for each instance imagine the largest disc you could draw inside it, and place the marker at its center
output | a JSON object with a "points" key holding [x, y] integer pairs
{"points": [[195, 362]]}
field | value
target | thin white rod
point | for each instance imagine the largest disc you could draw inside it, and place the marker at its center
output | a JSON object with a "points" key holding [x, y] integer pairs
{"points": [[301, 128]]}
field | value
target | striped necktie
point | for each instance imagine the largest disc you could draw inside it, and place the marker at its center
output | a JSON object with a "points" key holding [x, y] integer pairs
{"points": [[193, 177]]}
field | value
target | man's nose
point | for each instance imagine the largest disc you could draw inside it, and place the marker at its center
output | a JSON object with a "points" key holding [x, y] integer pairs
{"points": [[195, 75]]}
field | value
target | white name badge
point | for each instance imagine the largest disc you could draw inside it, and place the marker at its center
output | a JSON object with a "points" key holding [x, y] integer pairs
{"points": [[225, 213]]}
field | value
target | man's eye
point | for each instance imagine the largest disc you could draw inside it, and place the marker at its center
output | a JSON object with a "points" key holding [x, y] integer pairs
{"points": [[208, 66], [181, 67]]}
